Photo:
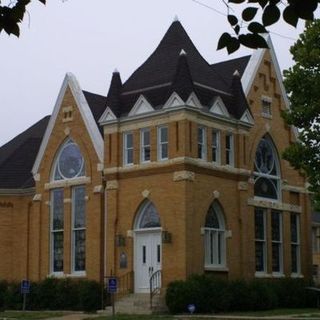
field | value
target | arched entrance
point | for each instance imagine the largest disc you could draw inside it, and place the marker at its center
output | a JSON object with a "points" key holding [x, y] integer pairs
{"points": [[147, 246]]}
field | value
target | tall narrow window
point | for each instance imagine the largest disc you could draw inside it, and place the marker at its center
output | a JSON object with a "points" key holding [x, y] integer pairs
{"points": [[260, 240], [57, 228], [266, 171], [202, 150], [214, 237], [162, 143], [277, 253], [128, 148], [215, 147], [229, 149], [78, 229], [295, 243], [145, 145]]}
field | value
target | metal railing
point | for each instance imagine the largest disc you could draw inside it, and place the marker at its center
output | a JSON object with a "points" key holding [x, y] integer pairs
{"points": [[155, 285], [125, 284]]}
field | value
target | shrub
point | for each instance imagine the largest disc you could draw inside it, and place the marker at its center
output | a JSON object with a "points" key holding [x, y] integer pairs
{"points": [[263, 296], [3, 292]]}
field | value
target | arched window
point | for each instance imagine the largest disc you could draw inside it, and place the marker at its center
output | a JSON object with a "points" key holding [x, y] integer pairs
{"points": [[266, 170], [69, 163], [214, 237], [148, 217]]}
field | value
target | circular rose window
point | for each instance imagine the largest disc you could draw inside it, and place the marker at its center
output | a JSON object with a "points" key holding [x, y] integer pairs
{"points": [[70, 162]]}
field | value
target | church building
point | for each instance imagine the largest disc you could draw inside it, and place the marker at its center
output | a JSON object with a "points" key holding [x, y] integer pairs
{"points": [[175, 171]]}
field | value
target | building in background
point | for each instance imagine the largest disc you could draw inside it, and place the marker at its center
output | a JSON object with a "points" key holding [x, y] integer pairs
{"points": [[176, 171]]}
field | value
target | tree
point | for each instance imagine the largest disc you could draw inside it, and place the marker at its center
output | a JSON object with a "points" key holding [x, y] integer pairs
{"points": [[302, 82], [12, 14], [271, 10]]}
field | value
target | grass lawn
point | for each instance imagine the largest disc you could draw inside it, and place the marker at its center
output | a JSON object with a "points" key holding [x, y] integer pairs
{"points": [[309, 313], [29, 315]]}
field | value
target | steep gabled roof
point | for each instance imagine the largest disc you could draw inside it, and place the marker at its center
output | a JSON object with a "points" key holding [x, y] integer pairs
{"points": [[18, 155], [177, 66]]}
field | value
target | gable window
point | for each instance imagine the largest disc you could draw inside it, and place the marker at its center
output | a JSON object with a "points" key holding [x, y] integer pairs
{"points": [[295, 243], [70, 163], [78, 229], [128, 148], [215, 146], [277, 251], [266, 106], [57, 230], [202, 150], [266, 171], [260, 240], [214, 237], [145, 145], [162, 143], [229, 149]]}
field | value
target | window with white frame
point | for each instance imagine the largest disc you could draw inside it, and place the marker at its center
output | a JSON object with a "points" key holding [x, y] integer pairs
{"points": [[266, 170], [295, 243], [260, 240], [68, 165], [202, 150], [215, 146], [277, 248], [78, 229], [266, 106], [316, 239], [57, 231], [145, 145], [229, 149], [163, 143], [214, 237], [128, 148]]}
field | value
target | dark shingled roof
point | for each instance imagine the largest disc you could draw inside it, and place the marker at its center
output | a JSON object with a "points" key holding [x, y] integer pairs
{"points": [[167, 71], [18, 155]]}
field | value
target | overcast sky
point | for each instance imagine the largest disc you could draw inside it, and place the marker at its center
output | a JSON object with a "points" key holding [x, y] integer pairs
{"points": [[91, 39]]}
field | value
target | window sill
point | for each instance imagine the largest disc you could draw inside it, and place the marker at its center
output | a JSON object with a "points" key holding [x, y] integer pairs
{"points": [[216, 269], [77, 274], [262, 275], [266, 115], [278, 275], [297, 275]]}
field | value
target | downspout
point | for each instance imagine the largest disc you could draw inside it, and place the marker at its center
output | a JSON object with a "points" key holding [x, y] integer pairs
{"points": [[28, 238]]}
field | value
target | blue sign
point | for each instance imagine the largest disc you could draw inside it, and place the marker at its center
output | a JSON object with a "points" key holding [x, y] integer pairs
{"points": [[191, 308], [25, 286], [112, 285]]}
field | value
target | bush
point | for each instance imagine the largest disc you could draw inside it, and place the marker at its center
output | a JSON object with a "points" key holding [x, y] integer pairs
{"points": [[53, 294], [210, 294]]}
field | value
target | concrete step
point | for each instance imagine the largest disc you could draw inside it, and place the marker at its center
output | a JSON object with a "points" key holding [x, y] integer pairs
{"points": [[138, 303]]}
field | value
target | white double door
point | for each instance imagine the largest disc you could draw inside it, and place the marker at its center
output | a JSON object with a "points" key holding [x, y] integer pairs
{"points": [[147, 258]]}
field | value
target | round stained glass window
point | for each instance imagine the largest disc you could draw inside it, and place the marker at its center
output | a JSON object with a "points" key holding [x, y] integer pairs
{"points": [[70, 163]]}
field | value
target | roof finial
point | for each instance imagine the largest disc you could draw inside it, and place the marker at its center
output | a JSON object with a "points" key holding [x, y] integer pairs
{"points": [[115, 70], [176, 18], [236, 73], [182, 53]]}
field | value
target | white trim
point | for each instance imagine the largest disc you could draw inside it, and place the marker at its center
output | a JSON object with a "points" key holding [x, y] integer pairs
{"points": [[218, 107], [126, 149], [218, 146], [230, 151], [143, 145], [193, 101], [202, 143], [252, 69], [107, 115], [174, 101], [141, 106], [247, 117], [91, 126], [160, 143]]}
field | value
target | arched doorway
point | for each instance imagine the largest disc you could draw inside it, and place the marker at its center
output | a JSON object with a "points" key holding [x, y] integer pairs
{"points": [[147, 246]]}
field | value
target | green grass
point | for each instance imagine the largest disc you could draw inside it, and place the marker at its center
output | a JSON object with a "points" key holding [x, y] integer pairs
{"points": [[307, 313], [29, 315]]}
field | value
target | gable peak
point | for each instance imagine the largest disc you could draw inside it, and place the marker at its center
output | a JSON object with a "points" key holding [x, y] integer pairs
{"points": [[182, 53]]}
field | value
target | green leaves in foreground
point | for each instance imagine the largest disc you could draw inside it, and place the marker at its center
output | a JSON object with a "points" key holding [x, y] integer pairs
{"points": [[270, 14], [11, 16]]}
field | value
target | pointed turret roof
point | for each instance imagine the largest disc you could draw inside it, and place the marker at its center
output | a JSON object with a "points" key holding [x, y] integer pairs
{"points": [[113, 97], [160, 67]]}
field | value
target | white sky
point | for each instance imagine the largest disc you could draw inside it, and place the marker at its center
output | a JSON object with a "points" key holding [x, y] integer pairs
{"points": [[91, 39]]}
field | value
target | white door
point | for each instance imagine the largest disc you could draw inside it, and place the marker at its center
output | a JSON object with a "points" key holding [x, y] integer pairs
{"points": [[147, 258]]}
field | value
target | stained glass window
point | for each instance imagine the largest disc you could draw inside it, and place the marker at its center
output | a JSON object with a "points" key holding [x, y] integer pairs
{"points": [[70, 162], [260, 240], [149, 217], [276, 232], [214, 237], [266, 171], [295, 243]]}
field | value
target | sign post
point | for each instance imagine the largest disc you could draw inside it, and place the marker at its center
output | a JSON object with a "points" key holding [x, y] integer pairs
{"points": [[25, 289], [112, 287]]}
